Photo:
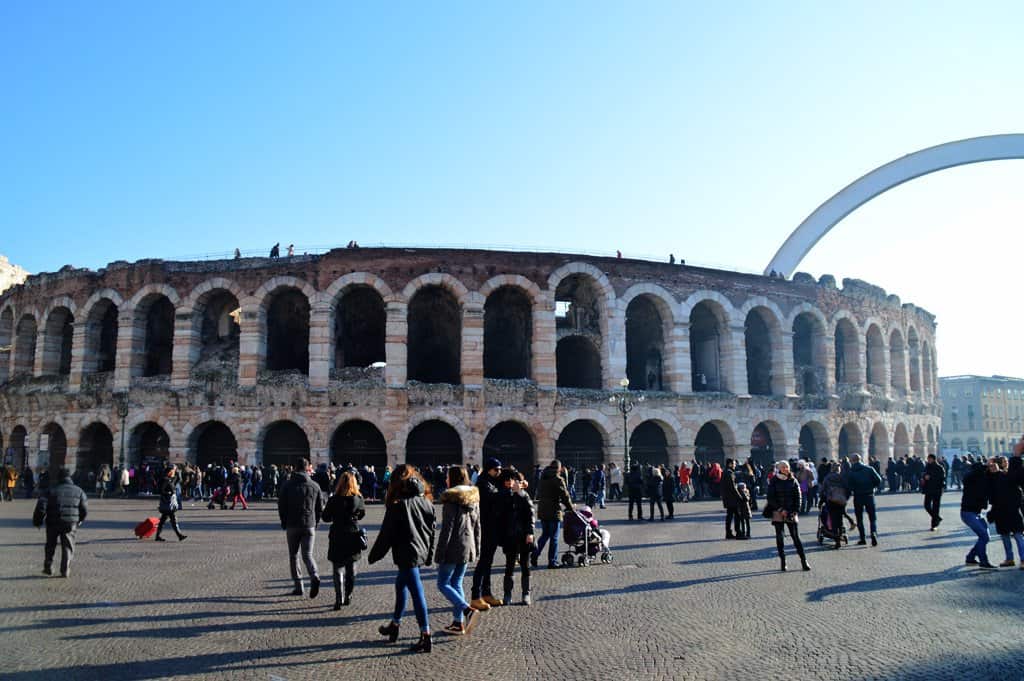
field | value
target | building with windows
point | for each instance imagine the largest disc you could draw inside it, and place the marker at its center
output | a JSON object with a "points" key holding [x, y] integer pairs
{"points": [[982, 414], [384, 355]]}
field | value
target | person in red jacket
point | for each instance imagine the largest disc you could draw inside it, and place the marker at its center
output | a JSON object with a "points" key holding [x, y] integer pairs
{"points": [[684, 482]]}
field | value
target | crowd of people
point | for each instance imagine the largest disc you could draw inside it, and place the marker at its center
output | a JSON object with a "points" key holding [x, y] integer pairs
{"points": [[494, 507]]}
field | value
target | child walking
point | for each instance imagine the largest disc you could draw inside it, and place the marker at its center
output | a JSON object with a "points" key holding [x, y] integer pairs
{"points": [[743, 511], [518, 540]]}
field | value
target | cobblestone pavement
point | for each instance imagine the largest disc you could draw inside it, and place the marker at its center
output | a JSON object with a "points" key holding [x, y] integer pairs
{"points": [[679, 602]]}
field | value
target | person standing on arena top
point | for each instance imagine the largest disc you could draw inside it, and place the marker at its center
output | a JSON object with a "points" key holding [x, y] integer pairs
{"points": [[300, 507]]}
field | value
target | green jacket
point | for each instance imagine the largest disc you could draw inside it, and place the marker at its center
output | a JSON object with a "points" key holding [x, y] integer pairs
{"points": [[552, 496]]}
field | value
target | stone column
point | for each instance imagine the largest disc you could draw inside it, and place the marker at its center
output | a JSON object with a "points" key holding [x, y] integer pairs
{"points": [[41, 351], [396, 347], [186, 348], [783, 377], [126, 342], [542, 347], [78, 340], [471, 362], [319, 346], [734, 360], [830, 365], [251, 346], [679, 378], [613, 351]]}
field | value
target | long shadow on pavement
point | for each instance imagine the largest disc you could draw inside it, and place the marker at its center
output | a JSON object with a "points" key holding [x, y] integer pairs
{"points": [[893, 582], [660, 585]]}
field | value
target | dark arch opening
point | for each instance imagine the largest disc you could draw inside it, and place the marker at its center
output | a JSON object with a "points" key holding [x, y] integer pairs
{"points": [[435, 336], [219, 329], [56, 446], [215, 444], [915, 361], [709, 446], [512, 444], [508, 332], [580, 445], [95, 448], [849, 440], [284, 444], [875, 357], [759, 354], [577, 363], [6, 339], [360, 322], [101, 338], [25, 345], [846, 352], [645, 345], [149, 445], [648, 445], [157, 319], [878, 442], [359, 443], [762, 448], [288, 331], [16, 446], [433, 443], [807, 444], [897, 362], [808, 362], [705, 349], [60, 331]]}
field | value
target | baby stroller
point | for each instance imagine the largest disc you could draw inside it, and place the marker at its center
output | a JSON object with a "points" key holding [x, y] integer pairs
{"points": [[219, 496], [825, 529], [584, 538]]}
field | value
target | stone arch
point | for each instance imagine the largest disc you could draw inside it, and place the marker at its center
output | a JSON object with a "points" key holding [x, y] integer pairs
{"points": [[152, 312], [714, 442], [846, 331], [150, 290], [468, 442], [603, 284], [919, 442], [149, 440], [878, 442], [851, 439], [101, 316], [508, 332], [433, 442], [442, 279], [649, 313], [810, 349], [513, 443], [282, 442], [214, 323], [582, 443], [211, 442], [57, 444], [814, 442], [898, 361], [779, 443], [434, 336], [360, 442], [764, 347], [876, 354], [901, 441], [7, 316], [709, 315], [604, 424], [884, 178], [26, 335], [528, 286], [285, 307], [58, 337], [202, 290], [103, 294]]}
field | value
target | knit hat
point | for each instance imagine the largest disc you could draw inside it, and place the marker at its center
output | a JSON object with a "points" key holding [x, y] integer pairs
{"points": [[491, 463]]}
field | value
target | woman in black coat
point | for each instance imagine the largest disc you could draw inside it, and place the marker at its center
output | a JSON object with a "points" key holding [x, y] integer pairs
{"points": [[344, 510], [408, 533], [1005, 495], [783, 498], [168, 507]]}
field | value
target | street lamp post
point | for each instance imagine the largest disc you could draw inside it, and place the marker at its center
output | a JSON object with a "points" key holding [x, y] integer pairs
{"points": [[122, 411], [625, 402]]}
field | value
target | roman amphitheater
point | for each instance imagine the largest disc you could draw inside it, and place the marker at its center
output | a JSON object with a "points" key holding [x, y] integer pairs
{"points": [[385, 355]]}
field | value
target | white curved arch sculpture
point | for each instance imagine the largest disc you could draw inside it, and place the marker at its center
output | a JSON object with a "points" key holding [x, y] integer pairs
{"points": [[884, 178]]}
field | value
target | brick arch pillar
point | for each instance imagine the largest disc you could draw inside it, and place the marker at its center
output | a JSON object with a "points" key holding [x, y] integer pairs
{"points": [[680, 379], [77, 355], [471, 362], [543, 343], [734, 360], [319, 345], [185, 348], [396, 347], [250, 343], [126, 339]]}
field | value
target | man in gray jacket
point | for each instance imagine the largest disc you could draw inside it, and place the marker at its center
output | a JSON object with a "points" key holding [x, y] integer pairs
{"points": [[300, 506], [62, 509]]}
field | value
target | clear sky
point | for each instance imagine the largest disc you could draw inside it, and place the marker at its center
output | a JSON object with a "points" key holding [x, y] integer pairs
{"points": [[135, 130]]}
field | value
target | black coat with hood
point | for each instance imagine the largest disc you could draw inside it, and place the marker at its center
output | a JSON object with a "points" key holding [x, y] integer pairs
{"points": [[976, 490], [408, 529], [459, 538], [552, 496], [62, 506], [345, 541]]}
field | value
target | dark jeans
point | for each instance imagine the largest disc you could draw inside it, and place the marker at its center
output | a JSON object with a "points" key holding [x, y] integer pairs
{"points": [[482, 573], [639, 501], [794, 534], [932, 502], [835, 515], [164, 517], [861, 504], [615, 491], [548, 531], [980, 528], [671, 507], [66, 539], [408, 579], [732, 519], [661, 509], [743, 525], [520, 554]]}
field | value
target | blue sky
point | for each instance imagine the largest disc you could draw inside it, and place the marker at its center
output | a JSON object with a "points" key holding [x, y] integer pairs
{"points": [[134, 131]]}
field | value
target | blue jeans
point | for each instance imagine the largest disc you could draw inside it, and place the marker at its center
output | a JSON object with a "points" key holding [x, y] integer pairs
{"points": [[409, 580], [600, 496], [548, 530], [980, 528], [449, 583], [1009, 547]]}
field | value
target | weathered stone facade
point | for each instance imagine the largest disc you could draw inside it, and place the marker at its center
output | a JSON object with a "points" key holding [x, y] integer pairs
{"points": [[468, 338], [10, 274]]}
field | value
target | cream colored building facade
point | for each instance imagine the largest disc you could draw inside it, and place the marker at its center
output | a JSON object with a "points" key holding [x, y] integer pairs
{"points": [[982, 414]]}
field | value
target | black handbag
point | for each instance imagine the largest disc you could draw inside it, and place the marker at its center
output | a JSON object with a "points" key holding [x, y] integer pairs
{"points": [[768, 511]]}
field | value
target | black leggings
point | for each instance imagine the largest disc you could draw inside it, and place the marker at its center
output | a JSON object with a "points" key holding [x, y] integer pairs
{"points": [[661, 509], [344, 578], [164, 517], [639, 501], [794, 533]]}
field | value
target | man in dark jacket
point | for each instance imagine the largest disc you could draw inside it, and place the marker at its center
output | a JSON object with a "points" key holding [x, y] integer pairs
{"points": [[300, 506], [972, 504], [862, 481], [731, 500], [552, 497], [932, 484], [635, 490], [490, 535], [62, 509]]}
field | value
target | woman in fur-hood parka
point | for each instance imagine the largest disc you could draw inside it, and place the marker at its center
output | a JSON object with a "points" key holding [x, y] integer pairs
{"points": [[459, 539]]}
